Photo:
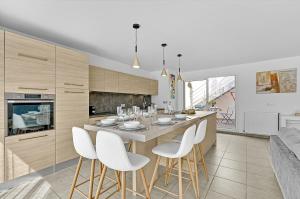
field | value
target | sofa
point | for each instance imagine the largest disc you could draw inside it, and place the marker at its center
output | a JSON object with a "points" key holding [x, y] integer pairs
{"points": [[285, 157]]}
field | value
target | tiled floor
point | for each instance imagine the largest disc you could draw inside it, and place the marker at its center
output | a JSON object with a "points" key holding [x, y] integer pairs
{"points": [[238, 168]]}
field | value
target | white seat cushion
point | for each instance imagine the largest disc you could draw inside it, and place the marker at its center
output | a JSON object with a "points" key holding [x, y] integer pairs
{"points": [[137, 161], [168, 150]]}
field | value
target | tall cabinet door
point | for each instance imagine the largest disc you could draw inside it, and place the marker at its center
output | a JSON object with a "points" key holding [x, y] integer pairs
{"points": [[1, 105], [72, 99], [29, 65]]}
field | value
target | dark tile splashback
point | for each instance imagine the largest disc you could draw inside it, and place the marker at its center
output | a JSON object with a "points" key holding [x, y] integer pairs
{"points": [[108, 102]]}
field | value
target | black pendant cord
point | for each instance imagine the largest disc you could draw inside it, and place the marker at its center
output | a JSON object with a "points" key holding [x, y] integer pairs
{"points": [[136, 41], [164, 61], [179, 62]]}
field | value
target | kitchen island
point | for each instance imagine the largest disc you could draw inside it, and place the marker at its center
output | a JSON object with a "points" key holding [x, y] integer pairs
{"points": [[144, 140]]}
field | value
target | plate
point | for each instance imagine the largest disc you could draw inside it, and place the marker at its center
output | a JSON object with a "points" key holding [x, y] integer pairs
{"points": [[164, 124], [141, 126], [105, 125]]}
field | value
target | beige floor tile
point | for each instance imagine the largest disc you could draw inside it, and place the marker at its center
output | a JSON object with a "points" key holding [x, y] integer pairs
{"points": [[259, 170], [241, 166], [235, 156], [211, 168], [232, 174], [262, 182], [264, 162], [229, 188], [214, 160], [254, 193], [215, 195]]}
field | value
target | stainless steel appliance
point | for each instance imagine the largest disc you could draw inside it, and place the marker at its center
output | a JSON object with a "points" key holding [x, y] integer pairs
{"points": [[27, 113]]}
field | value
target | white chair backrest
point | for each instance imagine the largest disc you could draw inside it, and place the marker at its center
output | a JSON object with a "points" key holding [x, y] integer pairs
{"points": [[201, 132], [83, 143], [187, 142], [18, 122], [112, 152]]}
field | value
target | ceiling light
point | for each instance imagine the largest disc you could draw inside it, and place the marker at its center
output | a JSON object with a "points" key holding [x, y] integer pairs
{"points": [[164, 70], [179, 78], [136, 61]]}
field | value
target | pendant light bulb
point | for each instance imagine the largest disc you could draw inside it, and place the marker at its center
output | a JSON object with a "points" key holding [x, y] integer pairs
{"points": [[179, 78], [136, 62], [164, 70]]}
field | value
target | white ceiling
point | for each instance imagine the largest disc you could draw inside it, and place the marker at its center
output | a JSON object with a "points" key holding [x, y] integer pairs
{"points": [[209, 33]]}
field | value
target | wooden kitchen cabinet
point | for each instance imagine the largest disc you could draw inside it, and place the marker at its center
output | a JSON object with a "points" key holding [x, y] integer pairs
{"points": [[97, 79], [29, 65], [127, 83], [1, 106], [28, 153], [72, 100], [153, 87], [111, 81], [71, 69]]}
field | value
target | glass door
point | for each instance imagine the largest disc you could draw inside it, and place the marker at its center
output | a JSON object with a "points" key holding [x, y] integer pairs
{"points": [[196, 95]]}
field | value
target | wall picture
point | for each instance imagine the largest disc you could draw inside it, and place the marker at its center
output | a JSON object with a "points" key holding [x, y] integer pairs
{"points": [[277, 81], [172, 86]]}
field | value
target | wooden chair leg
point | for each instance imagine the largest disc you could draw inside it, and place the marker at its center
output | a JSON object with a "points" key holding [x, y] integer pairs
{"points": [[100, 182], [118, 180], [92, 179], [196, 170], [192, 176], [167, 171], [145, 183], [180, 178], [123, 177], [129, 146], [154, 174], [100, 170], [75, 177], [172, 165], [203, 162]]}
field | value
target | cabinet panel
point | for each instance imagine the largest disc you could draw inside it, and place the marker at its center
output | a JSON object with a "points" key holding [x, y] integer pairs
{"points": [[97, 79], [111, 81], [28, 153], [71, 69], [72, 109], [29, 65], [153, 87], [127, 83], [1, 106]]}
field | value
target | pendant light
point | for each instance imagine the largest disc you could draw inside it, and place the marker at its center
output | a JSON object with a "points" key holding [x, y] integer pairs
{"points": [[136, 62], [179, 78], [164, 70]]}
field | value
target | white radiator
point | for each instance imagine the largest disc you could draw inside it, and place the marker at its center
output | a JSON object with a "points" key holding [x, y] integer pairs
{"points": [[263, 123]]}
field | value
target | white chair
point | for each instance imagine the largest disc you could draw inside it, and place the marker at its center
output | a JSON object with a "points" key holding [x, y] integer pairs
{"points": [[84, 147], [112, 154], [176, 150]]}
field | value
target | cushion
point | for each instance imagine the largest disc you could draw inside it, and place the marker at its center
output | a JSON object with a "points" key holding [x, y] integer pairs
{"points": [[291, 138]]}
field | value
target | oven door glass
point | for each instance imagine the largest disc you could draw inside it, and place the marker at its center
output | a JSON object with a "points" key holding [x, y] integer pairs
{"points": [[28, 117]]}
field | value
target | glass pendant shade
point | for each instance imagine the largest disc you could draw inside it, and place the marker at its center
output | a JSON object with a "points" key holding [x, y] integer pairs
{"points": [[136, 62], [164, 72]]}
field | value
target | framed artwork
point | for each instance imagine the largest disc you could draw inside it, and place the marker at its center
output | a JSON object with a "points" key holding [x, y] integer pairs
{"points": [[172, 86], [277, 81]]}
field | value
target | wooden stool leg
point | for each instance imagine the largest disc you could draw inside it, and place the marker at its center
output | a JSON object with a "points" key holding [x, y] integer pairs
{"points": [[203, 162], [123, 177], [129, 146], [180, 178], [154, 174], [92, 179], [167, 171], [196, 170], [192, 176], [75, 177], [100, 182], [172, 165], [118, 180], [145, 183]]}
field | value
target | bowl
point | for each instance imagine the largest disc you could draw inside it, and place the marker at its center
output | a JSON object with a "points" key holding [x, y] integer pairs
{"points": [[164, 119], [180, 116], [108, 121], [131, 124]]}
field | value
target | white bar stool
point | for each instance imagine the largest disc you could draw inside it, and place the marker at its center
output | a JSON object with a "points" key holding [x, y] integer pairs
{"points": [[84, 147], [112, 154], [176, 150], [199, 137]]}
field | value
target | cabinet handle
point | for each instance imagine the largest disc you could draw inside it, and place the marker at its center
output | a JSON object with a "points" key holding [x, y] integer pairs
{"points": [[71, 84], [74, 91], [23, 139], [32, 57], [41, 89]]}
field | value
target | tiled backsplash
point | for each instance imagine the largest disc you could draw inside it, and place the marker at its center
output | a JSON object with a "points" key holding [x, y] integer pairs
{"points": [[108, 102]]}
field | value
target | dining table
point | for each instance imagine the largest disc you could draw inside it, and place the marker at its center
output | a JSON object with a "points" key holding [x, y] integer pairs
{"points": [[143, 140]]}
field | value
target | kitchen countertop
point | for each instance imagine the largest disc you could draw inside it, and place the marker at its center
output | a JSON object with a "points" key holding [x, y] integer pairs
{"points": [[151, 131]]}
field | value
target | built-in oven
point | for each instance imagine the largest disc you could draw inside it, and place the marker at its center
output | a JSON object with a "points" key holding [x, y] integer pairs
{"points": [[28, 113]]}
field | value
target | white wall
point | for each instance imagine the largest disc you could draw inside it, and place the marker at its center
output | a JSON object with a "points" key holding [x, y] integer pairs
{"points": [[247, 99]]}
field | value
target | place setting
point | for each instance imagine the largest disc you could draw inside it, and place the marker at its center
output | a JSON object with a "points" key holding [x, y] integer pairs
{"points": [[164, 121]]}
